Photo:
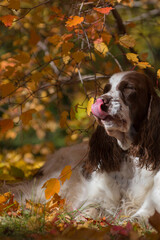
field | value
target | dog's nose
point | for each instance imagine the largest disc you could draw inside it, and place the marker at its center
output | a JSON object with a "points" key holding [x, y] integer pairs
{"points": [[106, 100]]}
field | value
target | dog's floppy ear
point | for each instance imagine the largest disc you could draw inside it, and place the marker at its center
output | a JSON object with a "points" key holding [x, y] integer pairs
{"points": [[104, 153]]}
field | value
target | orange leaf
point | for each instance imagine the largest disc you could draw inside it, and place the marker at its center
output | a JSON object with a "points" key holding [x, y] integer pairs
{"points": [[78, 56], [14, 4], [66, 173], [6, 124], [143, 65], [8, 20], [26, 117], [54, 39], [52, 186], [34, 37], [103, 10], [63, 119], [74, 20], [7, 89], [22, 57], [66, 47]]}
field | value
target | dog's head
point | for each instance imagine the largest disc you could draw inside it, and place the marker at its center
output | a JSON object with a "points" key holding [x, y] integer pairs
{"points": [[123, 106]]}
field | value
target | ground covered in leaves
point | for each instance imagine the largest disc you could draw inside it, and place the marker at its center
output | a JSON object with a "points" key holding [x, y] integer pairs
{"points": [[52, 221]]}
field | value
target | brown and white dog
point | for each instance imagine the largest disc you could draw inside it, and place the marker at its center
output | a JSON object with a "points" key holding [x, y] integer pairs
{"points": [[120, 167]]}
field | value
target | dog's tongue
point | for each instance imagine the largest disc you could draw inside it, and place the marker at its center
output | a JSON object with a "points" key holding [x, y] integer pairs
{"points": [[97, 110]]}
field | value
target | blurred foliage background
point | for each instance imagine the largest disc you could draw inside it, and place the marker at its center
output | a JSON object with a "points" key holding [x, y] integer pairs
{"points": [[55, 56]]}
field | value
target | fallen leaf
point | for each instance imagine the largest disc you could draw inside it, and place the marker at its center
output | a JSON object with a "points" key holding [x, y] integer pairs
{"points": [[127, 41], [89, 105], [65, 174], [52, 186], [103, 10], [74, 20]]}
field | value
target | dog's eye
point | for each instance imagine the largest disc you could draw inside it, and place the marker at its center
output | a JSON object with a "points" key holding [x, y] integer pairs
{"points": [[130, 87]]}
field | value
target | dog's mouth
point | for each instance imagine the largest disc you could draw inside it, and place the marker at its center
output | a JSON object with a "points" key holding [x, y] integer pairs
{"points": [[100, 110]]}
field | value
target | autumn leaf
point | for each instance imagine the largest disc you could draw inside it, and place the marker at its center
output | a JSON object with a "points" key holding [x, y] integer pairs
{"points": [[63, 119], [103, 10], [106, 37], [158, 73], [132, 57], [89, 105], [78, 56], [26, 117], [101, 47], [65, 174], [7, 89], [6, 124], [127, 41], [66, 47], [74, 20], [54, 39], [14, 4], [34, 37], [143, 65], [66, 59], [8, 20], [22, 57], [72, 114], [52, 186]]}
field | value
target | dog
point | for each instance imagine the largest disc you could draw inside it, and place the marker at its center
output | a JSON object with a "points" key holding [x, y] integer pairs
{"points": [[119, 168]]}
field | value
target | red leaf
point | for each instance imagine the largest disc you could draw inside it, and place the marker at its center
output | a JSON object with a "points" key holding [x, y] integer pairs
{"points": [[8, 20], [103, 10]]}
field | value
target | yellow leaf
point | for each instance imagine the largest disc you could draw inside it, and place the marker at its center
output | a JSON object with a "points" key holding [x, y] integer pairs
{"points": [[66, 59], [52, 186], [101, 47], [7, 89], [127, 41], [66, 47], [6, 124], [132, 57], [26, 117], [89, 105], [143, 65], [14, 4], [54, 39], [63, 119], [22, 57], [65, 174], [74, 20], [158, 73], [78, 56], [72, 114], [8, 20]]}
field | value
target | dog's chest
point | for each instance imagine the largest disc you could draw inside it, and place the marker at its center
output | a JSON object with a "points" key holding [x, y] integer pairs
{"points": [[133, 180]]}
